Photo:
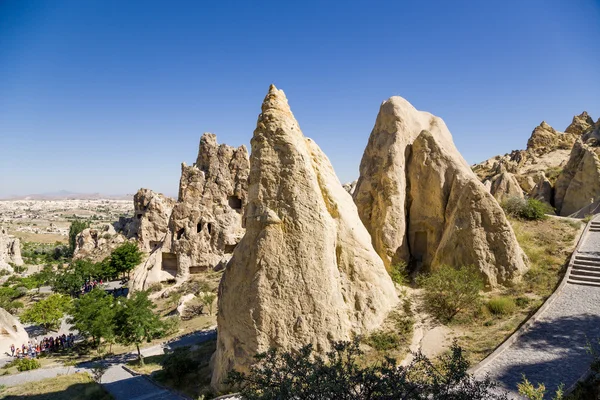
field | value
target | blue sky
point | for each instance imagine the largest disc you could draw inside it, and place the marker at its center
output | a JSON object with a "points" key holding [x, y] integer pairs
{"points": [[109, 96]]}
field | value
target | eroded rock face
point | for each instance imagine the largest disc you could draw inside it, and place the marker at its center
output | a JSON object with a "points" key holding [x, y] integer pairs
{"points": [[305, 271], [453, 220], [441, 205], [578, 185], [544, 139], [206, 224], [543, 190], [10, 251], [350, 186], [581, 124], [97, 243], [505, 186], [11, 331]]}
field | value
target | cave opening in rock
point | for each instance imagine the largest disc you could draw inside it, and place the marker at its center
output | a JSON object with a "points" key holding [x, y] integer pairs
{"points": [[229, 248], [199, 227], [139, 216], [209, 228], [235, 202], [169, 262], [180, 233]]}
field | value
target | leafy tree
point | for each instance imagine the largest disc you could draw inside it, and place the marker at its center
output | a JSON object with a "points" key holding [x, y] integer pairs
{"points": [[448, 290], [531, 392], [208, 300], [136, 322], [125, 257], [48, 312], [93, 315], [303, 375], [77, 226]]}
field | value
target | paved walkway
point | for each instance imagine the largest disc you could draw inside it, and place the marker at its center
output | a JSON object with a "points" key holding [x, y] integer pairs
{"points": [[553, 349], [116, 380]]}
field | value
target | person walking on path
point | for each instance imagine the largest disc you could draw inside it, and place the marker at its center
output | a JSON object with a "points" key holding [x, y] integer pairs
{"points": [[12, 350]]}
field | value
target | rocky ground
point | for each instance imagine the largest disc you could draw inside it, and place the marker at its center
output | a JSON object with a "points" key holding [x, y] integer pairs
{"points": [[48, 221]]}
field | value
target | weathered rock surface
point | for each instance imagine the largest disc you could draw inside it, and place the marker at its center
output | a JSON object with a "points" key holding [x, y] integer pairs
{"points": [[350, 186], [544, 139], [10, 251], [97, 243], [305, 271], [505, 186], [581, 124], [579, 183], [543, 190], [206, 224], [421, 202], [11, 331]]}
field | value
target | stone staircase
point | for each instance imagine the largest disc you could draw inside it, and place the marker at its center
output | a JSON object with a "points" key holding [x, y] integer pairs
{"points": [[586, 267]]}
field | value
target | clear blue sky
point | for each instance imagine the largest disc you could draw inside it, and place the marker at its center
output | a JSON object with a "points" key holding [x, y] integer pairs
{"points": [[109, 96]]}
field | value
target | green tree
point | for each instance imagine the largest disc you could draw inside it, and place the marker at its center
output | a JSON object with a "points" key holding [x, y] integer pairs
{"points": [[208, 300], [448, 290], [93, 315], [304, 375], [136, 322], [77, 226], [48, 312], [125, 257]]}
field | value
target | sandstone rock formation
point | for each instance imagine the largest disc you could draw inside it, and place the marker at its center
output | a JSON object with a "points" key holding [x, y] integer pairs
{"points": [[10, 251], [578, 185], [305, 271], [543, 190], [452, 219], [544, 139], [581, 124], [505, 186], [97, 243], [11, 331], [206, 224], [422, 203], [350, 186]]}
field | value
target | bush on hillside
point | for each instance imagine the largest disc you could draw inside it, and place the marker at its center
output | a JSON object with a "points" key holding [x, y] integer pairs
{"points": [[448, 291], [304, 375], [501, 305], [530, 209]]}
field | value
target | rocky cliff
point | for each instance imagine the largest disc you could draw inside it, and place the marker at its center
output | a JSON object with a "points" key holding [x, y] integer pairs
{"points": [[418, 199], [305, 271], [10, 251]]}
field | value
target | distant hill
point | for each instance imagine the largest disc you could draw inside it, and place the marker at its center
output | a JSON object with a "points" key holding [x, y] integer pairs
{"points": [[68, 195]]}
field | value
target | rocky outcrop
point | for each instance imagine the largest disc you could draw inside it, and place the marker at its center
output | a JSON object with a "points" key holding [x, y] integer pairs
{"points": [[543, 190], [11, 331], [97, 243], [350, 187], [453, 220], [581, 124], [578, 185], [505, 186], [422, 203], [10, 251], [305, 271], [206, 224], [544, 139]]}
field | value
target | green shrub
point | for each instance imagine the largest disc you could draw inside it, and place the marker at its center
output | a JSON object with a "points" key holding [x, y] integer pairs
{"points": [[522, 301], [382, 340], [178, 364], [501, 305], [155, 287], [398, 274], [530, 209], [448, 291], [24, 364]]}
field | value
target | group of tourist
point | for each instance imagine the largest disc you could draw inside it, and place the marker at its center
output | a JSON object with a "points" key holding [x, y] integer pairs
{"points": [[88, 286], [34, 349]]}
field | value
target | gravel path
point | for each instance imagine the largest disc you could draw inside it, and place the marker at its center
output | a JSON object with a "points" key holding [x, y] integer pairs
{"points": [[554, 349]]}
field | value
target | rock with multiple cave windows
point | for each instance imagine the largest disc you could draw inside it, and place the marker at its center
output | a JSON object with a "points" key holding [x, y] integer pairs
{"points": [[207, 221]]}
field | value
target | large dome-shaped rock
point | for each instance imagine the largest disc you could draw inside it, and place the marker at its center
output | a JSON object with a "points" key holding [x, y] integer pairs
{"points": [[10, 251], [453, 220], [305, 271], [422, 227], [579, 183], [11, 331], [206, 224], [505, 186]]}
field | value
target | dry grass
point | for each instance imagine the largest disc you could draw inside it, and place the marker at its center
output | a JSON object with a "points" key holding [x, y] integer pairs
{"points": [[548, 244], [40, 237], [78, 386]]}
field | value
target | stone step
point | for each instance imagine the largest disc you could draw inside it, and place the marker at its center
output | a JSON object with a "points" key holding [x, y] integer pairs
{"points": [[586, 279], [587, 258], [583, 272], [594, 229], [586, 267], [587, 262], [584, 283]]}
